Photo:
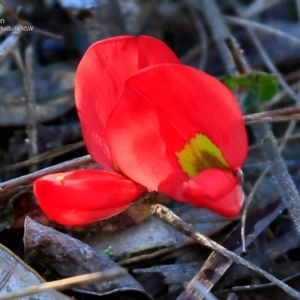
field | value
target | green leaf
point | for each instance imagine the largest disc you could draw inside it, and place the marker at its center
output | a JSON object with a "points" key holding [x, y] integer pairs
{"points": [[258, 85]]}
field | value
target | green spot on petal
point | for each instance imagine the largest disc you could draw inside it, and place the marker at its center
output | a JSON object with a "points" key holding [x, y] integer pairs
{"points": [[199, 154]]}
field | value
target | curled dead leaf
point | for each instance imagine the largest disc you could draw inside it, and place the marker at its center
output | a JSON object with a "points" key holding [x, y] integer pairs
{"points": [[68, 257]]}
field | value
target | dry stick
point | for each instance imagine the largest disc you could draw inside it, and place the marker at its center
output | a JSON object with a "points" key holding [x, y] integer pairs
{"points": [[46, 33], [9, 43], [74, 163], [257, 7], [284, 181], [278, 140], [168, 216], [247, 205], [241, 67], [273, 113], [65, 283], [28, 83], [259, 286], [46, 155], [31, 103], [259, 181], [263, 28], [259, 120], [13, 14], [161, 252]]}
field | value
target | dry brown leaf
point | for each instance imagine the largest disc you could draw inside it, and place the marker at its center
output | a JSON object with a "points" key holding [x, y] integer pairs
{"points": [[68, 257]]}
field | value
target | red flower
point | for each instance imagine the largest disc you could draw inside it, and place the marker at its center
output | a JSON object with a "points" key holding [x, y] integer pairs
{"points": [[166, 126], [180, 131], [86, 196]]}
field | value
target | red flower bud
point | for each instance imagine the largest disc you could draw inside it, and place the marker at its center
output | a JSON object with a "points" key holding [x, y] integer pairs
{"points": [[85, 196]]}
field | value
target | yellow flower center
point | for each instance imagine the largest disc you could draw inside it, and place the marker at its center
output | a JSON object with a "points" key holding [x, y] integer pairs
{"points": [[199, 154]]}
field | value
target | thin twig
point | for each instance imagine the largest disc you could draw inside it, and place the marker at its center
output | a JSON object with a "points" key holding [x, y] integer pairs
{"points": [[46, 33], [259, 181], [278, 140], [255, 8], [274, 119], [28, 83], [247, 205], [286, 186], [273, 113], [256, 286], [240, 65], [46, 155], [12, 13], [145, 257], [167, 215], [74, 163], [9, 43], [31, 103], [263, 28], [65, 283]]}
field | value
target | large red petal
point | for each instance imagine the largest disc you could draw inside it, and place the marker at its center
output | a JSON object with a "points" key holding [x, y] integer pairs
{"points": [[84, 196], [100, 77], [160, 110]]}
